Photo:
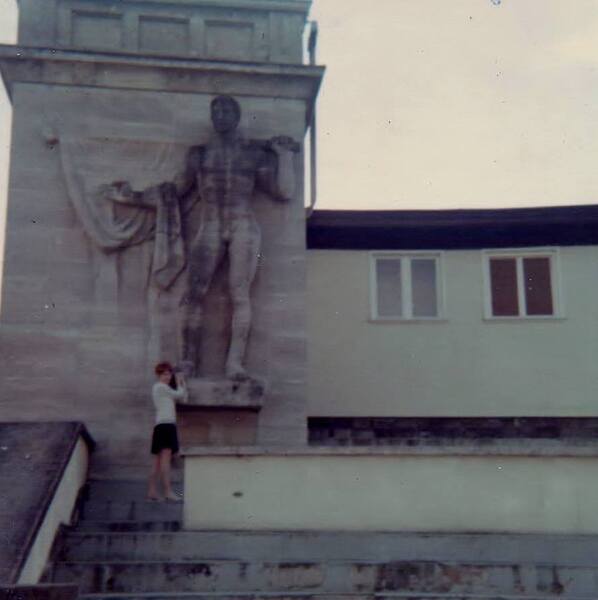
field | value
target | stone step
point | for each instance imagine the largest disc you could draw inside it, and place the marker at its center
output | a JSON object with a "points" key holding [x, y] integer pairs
{"points": [[338, 577], [563, 550], [130, 510], [309, 596], [89, 526], [125, 490], [38, 592]]}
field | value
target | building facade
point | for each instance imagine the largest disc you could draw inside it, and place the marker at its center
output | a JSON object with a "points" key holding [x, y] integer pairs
{"points": [[455, 314]]}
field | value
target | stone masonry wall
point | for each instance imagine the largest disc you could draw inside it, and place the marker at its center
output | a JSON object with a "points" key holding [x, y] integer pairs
{"points": [[413, 431], [76, 325]]}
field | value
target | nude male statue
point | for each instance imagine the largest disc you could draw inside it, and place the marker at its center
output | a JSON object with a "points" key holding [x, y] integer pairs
{"points": [[224, 173]]}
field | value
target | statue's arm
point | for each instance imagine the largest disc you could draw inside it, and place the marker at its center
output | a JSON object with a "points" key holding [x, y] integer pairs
{"points": [[122, 193], [186, 180], [276, 174]]}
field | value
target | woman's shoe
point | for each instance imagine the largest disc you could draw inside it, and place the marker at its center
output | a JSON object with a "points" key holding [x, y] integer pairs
{"points": [[174, 497]]}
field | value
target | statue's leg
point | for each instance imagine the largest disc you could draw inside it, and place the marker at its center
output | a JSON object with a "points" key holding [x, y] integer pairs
{"points": [[204, 257], [243, 256]]}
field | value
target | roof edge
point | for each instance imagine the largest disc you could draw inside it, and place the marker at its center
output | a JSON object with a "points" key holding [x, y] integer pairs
{"points": [[453, 228]]}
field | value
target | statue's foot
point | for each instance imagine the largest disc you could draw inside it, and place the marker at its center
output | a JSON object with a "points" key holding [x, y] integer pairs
{"points": [[236, 372]]}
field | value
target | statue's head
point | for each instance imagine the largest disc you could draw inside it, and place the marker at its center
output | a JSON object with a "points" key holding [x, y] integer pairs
{"points": [[226, 113]]}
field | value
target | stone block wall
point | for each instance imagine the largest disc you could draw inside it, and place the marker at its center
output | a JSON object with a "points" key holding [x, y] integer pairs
{"points": [[77, 339], [106, 91], [414, 431]]}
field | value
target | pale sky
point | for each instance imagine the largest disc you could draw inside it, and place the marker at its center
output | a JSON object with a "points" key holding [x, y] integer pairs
{"points": [[447, 103]]}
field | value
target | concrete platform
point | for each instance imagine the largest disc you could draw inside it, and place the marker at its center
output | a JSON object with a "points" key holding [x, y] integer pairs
{"points": [[518, 486]]}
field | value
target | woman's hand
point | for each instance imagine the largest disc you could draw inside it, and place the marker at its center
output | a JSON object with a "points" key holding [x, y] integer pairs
{"points": [[180, 379]]}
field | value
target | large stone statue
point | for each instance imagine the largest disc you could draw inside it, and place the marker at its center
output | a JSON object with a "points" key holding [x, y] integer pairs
{"points": [[222, 175]]}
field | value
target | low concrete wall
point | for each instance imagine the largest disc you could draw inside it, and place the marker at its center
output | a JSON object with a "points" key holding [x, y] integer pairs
{"points": [[547, 488], [59, 512], [42, 468]]}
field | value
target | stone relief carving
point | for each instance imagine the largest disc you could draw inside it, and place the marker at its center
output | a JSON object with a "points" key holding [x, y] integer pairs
{"points": [[220, 177]]}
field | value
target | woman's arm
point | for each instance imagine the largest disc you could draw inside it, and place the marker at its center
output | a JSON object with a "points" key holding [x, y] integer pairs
{"points": [[181, 393]]}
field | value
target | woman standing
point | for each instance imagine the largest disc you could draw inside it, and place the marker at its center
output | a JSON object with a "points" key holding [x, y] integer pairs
{"points": [[165, 441]]}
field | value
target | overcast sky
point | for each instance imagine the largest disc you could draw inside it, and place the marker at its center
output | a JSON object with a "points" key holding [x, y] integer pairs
{"points": [[448, 103]]}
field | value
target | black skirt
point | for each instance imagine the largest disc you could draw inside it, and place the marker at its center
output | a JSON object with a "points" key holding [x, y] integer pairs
{"points": [[164, 437]]}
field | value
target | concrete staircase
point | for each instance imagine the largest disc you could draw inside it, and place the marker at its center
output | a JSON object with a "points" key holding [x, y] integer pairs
{"points": [[126, 548]]}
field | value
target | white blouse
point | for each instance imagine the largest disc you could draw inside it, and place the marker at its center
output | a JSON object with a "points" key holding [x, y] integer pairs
{"points": [[164, 398]]}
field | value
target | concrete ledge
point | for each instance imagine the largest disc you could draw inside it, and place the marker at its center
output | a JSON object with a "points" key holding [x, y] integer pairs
{"points": [[439, 447], [21, 64], [42, 470], [503, 489]]}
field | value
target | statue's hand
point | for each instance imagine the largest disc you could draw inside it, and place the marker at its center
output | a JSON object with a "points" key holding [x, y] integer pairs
{"points": [[284, 143], [119, 191]]}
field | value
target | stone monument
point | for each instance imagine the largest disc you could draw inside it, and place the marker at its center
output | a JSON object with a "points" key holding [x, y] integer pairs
{"points": [[156, 212], [222, 176]]}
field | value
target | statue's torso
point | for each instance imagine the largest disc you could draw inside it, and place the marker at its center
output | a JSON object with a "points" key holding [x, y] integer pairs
{"points": [[226, 180]]}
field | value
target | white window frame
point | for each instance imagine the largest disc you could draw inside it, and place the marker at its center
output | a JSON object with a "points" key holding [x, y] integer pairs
{"points": [[519, 254], [406, 285]]}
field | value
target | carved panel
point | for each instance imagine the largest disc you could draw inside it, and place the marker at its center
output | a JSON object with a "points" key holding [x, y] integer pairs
{"points": [[229, 40], [257, 32], [96, 30], [164, 35]]}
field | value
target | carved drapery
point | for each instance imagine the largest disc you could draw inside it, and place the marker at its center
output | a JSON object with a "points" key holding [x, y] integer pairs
{"points": [[88, 166]]}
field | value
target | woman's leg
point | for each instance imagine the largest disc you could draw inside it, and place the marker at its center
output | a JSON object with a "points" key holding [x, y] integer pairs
{"points": [[152, 490]]}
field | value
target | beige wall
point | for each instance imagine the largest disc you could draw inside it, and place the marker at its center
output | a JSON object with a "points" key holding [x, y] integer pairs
{"points": [[462, 366], [450, 492]]}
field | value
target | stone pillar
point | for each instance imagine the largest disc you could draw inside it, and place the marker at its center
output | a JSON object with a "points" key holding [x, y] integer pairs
{"points": [[114, 91]]}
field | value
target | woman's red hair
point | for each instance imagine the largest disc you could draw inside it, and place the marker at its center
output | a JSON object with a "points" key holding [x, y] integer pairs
{"points": [[162, 367]]}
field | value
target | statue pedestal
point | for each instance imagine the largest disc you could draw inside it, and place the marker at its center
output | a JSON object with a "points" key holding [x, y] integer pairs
{"points": [[226, 393], [220, 412]]}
